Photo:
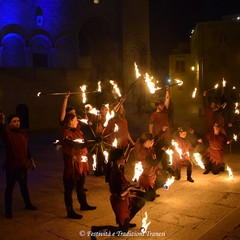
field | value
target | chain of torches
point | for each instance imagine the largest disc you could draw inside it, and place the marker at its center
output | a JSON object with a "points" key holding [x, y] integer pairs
{"points": [[149, 80]]}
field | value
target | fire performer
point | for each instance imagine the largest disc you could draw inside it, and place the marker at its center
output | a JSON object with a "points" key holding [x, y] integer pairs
{"points": [[125, 201], [182, 158], [215, 152], [160, 116], [145, 153], [18, 161], [75, 165], [213, 113]]}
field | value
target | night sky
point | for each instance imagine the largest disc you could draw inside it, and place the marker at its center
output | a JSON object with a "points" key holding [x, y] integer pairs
{"points": [[171, 21]]}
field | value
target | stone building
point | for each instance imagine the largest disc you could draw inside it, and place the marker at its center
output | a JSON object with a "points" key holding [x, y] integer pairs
{"points": [[58, 45]]}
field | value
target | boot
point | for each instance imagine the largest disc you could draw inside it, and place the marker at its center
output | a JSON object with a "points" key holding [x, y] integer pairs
{"points": [[190, 179], [85, 207], [31, 207], [73, 215]]}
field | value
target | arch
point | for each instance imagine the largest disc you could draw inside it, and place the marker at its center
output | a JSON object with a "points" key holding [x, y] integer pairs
{"points": [[13, 53], [66, 52], [23, 113], [40, 47]]}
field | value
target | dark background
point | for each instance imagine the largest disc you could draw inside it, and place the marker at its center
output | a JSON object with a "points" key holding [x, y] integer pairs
{"points": [[171, 22]]}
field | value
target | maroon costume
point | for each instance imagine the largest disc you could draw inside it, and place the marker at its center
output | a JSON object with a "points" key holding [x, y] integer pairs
{"points": [[215, 152], [159, 119]]}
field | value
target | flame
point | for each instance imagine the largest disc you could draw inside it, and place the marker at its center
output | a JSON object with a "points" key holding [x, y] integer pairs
{"points": [[94, 111], [39, 94], [224, 83], [198, 159], [179, 150], [115, 143], [138, 75], [105, 153], [170, 153], [79, 140], [83, 120], [151, 84], [137, 171], [169, 182], [236, 108], [216, 86], [84, 159], [83, 90], [116, 128], [99, 89], [108, 117], [145, 224], [94, 165], [179, 82], [234, 137], [194, 93], [230, 174], [115, 88]]}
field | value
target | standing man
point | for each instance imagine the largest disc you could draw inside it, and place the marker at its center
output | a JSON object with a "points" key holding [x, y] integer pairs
{"points": [[159, 118], [18, 161]]}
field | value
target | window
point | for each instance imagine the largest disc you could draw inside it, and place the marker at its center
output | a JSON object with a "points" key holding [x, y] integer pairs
{"points": [[180, 66]]}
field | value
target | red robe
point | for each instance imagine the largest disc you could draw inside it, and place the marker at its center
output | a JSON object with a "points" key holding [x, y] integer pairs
{"points": [[74, 164]]}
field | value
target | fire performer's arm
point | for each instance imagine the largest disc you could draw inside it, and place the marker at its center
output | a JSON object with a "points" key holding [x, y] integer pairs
{"points": [[167, 97], [64, 106]]}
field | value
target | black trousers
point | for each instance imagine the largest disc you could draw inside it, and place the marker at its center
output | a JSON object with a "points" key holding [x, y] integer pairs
{"points": [[20, 176], [70, 183]]}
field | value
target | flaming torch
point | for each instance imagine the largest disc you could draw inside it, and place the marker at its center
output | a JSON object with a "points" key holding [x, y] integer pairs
{"points": [[168, 183], [137, 171], [230, 174], [177, 82], [151, 84], [145, 224], [194, 93], [138, 75], [215, 87]]}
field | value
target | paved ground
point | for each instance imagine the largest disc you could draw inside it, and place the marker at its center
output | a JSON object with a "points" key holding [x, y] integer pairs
{"points": [[206, 209]]}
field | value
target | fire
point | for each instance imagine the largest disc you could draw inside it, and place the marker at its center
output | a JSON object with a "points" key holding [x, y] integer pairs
{"points": [[234, 137], [179, 82], [230, 174], [84, 159], [179, 150], [194, 93], [79, 140], [236, 108], [83, 90], [83, 120], [115, 143], [168, 183], [116, 128], [108, 116], [39, 94], [198, 159], [137, 171], [145, 224], [94, 165], [151, 84], [224, 83], [99, 89], [105, 153], [170, 153], [216, 86], [115, 88], [138, 75]]}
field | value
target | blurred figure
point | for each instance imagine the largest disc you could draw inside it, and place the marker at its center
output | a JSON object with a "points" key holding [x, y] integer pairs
{"points": [[18, 161]]}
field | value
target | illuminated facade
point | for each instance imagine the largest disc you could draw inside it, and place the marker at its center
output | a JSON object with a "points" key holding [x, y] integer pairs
{"points": [[57, 45]]}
